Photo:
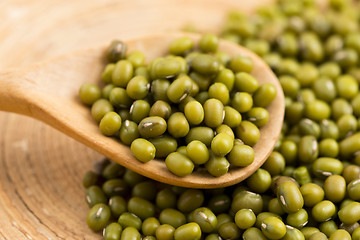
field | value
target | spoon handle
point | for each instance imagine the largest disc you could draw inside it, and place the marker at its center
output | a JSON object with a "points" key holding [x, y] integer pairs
{"points": [[13, 97], [38, 89]]}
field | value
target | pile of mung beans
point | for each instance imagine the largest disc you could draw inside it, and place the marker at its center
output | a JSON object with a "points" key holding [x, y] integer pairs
{"points": [[187, 108], [309, 187]]}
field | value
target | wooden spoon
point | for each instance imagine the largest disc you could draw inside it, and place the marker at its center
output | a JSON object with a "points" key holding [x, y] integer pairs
{"points": [[48, 91]]}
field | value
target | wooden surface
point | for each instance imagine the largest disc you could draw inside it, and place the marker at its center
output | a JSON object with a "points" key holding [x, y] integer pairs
{"points": [[41, 196]]}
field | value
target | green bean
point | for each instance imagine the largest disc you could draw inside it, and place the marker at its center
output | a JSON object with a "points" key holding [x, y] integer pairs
{"points": [[209, 43], [241, 155], [217, 166], [130, 233], [274, 206], [219, 203], [98, 216], [89, 93], [164, 68], [298, 219], [318, 236], [197, 152], [179, 164], [229, 230], [340, 234], [152, 127], [141, 207], [205, 218], [137, 58], [329, 147], [219, 91], [110, 124], [194, 112], [325, 166], [349, 214], [335, 188], [202, 81], [242, 102], [179, 89], [144, 189], [213, 236], [106, 75], [100, 108], [172, 217], [190, 200], [248, 132], [213, 113], [116, 51], [165, 232], [181, 45], [308, 231], [323, 211], [188, 231], [340, 107], [128, 132], [205, 64], [159, 88], [166, 198], [328, 227], [139, 110], [137, 87], [232, 117], [289, 85], [112, 231], [290, 197], [94, 195], [222, 144], [245, 218], [349, 146], [264, 95], [324, 89], [124, 114], [259, 181], [90, 178], [143, 150], [356, 234], [132, 178], [149, 226], [302, 175], [122, 73], [227, 77], [273, 228], [164, 145], [105, 92], [117, 206], [247, 200], [127, 219], [177, 125], [317, 110], [241, 64], [308, 149], [309, 127], [115, 187], [353, 189], [312, 194]]}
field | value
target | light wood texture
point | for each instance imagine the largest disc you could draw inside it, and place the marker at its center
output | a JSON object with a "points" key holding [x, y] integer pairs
{"points": [[48, 91], [41, 196]]}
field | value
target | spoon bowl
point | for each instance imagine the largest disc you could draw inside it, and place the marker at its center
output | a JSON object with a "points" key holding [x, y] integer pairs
{"points": [[48, 91]]}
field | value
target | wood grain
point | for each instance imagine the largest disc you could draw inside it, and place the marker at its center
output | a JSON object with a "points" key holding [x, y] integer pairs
{"points": [[41, 196]]}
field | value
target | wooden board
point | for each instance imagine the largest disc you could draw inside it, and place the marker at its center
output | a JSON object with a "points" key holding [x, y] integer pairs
{"points": [[41, 196]]}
